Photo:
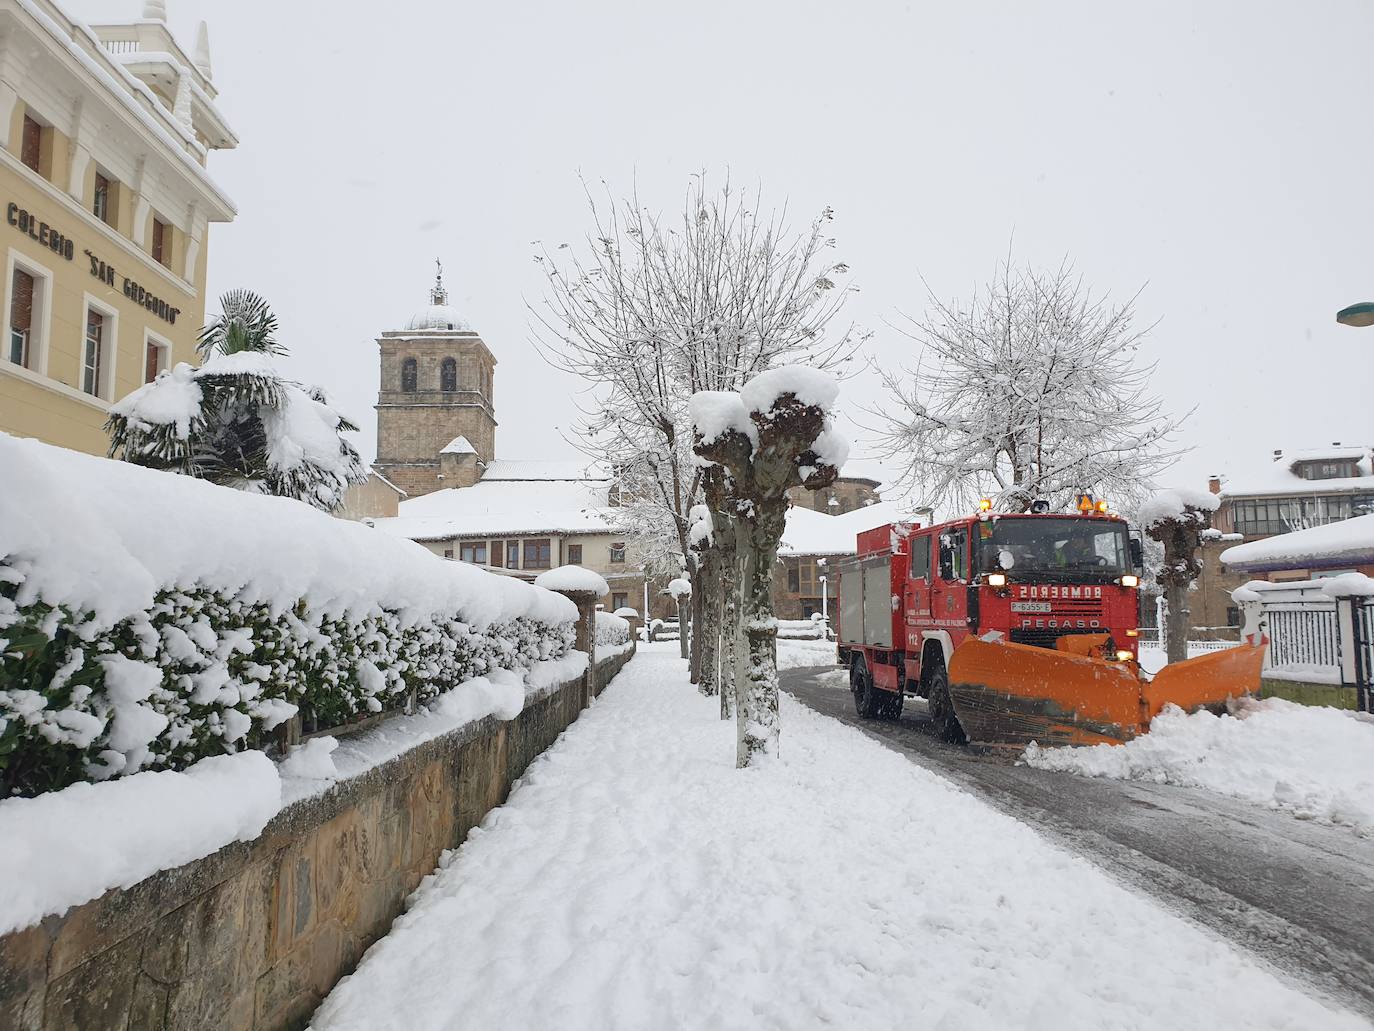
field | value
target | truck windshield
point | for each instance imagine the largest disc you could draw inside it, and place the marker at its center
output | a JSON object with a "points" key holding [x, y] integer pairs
{"points": [[1053, 548]]}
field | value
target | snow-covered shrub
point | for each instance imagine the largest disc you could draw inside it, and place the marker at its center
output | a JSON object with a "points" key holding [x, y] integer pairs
{"points": [[148, 620], [611, 630]]}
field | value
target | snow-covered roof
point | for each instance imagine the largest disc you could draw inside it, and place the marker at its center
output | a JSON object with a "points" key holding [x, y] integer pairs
{"points": [[1280, 478], [443, 317], [1349, 542], [458, 446], [546, 469], [493, 508], [815, 533]]}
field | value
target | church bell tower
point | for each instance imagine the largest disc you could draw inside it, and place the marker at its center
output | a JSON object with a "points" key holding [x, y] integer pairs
{"points": [[436, 420]]}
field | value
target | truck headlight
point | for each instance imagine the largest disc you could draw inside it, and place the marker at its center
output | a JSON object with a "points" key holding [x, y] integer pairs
{"points": [[1124, 656], [1130, 580], [997, 579]]}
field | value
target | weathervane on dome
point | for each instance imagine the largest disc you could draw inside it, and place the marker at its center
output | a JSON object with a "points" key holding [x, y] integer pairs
{"points": [[438, 295]]}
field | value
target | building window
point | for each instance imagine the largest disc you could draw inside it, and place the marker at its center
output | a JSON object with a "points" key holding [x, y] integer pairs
{"points": [[498, 554], [1232, 615], [22, 291], [1265, 516], [448, 553], [100, 204], [512, 554], [162, 242], [154, 360], [448, 375], [538, 553], [474, 552], [31, 146], [618, 553], [793, 576], [574, 554], [409, 375], [92, 355], [1327, 470], [619, 600]]}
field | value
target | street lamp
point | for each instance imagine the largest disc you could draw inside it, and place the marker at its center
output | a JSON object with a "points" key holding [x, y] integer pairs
{"points": [[1361, 314]]}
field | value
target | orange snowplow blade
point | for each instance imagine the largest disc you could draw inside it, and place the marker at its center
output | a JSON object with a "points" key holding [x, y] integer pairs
{"points": [[1013, 694], [1207, 680]]}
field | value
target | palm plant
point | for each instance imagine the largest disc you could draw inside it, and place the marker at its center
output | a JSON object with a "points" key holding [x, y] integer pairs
{"points": [[236, 421]]}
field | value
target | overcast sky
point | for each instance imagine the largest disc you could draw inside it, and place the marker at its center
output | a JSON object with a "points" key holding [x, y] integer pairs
{"points": [[1217, 154]]}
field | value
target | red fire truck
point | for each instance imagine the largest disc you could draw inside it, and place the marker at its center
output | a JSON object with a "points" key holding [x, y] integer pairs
{"points": [[1013, 628]]}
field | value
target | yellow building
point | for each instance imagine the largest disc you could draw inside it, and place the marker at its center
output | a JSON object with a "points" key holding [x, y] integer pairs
{"points": [[107, 206]]}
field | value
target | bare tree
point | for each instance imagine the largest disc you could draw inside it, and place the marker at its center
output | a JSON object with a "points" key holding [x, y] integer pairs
{"points": [[773, 435], [654, 309], [1033, 389], [1179, 519]]}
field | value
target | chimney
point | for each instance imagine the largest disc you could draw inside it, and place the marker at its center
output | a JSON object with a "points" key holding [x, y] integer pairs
{"points": [[1335, 443], [1214, 483], [1277, 454]]}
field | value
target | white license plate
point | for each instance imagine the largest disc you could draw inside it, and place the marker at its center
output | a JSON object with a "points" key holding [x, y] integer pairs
{"points": [[1030, 606]]}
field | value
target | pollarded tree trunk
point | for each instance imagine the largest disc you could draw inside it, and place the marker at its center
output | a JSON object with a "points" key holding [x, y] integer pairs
{"points": [[1180, 531], [684, 622], [706, 643], [758, 692], [696, 607], [731, 644]]}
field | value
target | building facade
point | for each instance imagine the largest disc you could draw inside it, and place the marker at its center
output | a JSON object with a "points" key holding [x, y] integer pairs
{"points": [[1301, 489], [437, 388], [105, 131]]}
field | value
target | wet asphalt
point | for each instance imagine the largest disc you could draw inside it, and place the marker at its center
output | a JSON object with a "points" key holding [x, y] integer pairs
{"points": [[1296, 894]]}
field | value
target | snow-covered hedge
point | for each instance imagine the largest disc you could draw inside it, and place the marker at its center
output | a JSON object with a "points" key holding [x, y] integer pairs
{"points": [[148, 620], [611, 630]]}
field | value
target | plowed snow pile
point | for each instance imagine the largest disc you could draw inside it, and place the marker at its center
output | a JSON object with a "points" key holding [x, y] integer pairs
{"points": [[1316, 762], [636, 880]]}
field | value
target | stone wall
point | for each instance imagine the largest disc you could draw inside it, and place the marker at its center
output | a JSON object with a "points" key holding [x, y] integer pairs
{"points": [[255, 935]]}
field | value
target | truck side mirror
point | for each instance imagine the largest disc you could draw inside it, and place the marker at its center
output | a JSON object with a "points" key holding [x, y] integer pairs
{"points": [[1137, 553]]}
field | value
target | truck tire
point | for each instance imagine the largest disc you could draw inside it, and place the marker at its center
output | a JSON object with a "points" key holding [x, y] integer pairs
{"points": [[947, 726], [892, 705], [866, 701]]}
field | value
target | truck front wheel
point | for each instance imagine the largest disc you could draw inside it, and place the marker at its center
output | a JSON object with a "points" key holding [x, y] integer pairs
{"points": [[866, 701], [947, 726]]}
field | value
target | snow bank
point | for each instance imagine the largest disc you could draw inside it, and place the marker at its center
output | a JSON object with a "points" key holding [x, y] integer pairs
{"points": [[1170, 504], [573, 578], [635, 879], [1311, 761], [810, 387], [70, 846]]}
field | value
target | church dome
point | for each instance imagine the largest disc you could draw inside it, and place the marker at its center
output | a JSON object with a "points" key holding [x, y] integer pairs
{"points": [[440, 315]]}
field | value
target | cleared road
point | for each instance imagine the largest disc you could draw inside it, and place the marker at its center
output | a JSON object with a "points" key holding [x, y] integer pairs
{"points": [[1298, 894]]}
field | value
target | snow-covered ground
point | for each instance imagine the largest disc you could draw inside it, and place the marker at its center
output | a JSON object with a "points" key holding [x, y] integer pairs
{"points": [[1315, 762], [636, 879]]}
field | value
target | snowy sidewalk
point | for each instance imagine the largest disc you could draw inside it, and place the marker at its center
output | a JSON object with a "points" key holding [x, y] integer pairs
{"points": [[636, 880]]}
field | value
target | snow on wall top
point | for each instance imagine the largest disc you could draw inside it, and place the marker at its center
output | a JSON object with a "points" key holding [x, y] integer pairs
{"points": [[815, 533], [1169, 503], [1348, 542], [1281, 479], [573, 578], [547, 469], [442, 317], [79, 530]]}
